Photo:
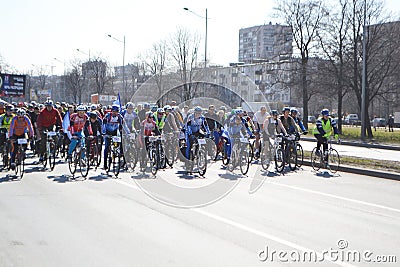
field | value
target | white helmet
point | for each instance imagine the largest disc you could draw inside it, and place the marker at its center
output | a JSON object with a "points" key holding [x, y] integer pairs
{"points": [[81, 108], [129, 105], [93, 107]]}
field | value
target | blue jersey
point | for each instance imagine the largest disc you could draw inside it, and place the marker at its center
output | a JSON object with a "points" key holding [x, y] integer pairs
{"points": [[112, 123], [193, 125], [236, 129]]}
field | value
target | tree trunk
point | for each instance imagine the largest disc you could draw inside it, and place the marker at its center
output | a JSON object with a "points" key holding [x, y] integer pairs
{"points": [[305, 91]]}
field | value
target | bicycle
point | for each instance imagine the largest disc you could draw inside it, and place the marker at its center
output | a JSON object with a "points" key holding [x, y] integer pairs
{"points": [[50, 151], [279, 153], [299, 151], [79, 157], [291, 151], [329, 159], [221, 149], [240, 155], [197, 156], [94, 153], [20, 157], [131, 150], [5, 161], [170, 149], [114, 155], [149, 155], [266, 151]]}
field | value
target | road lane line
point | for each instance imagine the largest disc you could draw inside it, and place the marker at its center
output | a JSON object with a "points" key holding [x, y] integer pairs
{"points": [[268, 236], [335, 196], [253, 231]]}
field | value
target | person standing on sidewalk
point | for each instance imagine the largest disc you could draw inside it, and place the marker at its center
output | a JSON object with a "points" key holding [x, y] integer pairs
{"points": [[390, 123]]}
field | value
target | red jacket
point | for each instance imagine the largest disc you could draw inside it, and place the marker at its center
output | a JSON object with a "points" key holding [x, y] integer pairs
{"points": [[48, 118]]}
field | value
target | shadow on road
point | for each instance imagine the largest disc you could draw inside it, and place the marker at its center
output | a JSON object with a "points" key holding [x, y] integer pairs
{"points": [[184, 175], [141, 175], [325, 174]]}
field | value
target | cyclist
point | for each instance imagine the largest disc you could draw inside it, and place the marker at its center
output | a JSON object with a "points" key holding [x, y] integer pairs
{"points": [[142, 113], [5, 121], [79, 126], [195, 126], [323, 129], [288, 121], [20, 125], [46, 120], [113, 123], [237, 128], [258, 120], [129, 115], [159, 119], [170, 121], [293, 113]]}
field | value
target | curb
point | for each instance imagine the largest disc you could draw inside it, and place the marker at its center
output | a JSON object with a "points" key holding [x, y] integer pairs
{"points": [[367, 172], [349, 143]]}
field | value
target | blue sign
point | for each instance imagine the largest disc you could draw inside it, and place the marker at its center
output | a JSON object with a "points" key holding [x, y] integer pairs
{"points": [[12, 85]]}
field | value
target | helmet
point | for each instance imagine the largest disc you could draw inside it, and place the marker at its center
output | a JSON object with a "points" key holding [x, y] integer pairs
{"points": [[285, 109], [41, 106], [222, 108], [115, 107], [274, 112], [149, 113], [325, 112], [146, 105], [198, 109], [167, 107], [21, 112], [81, 108], [93, 107], [154, 108], [48, 103], [293, 110], [93, 115], [129, 105], [238, 111], [9, 108], [160, 110]]}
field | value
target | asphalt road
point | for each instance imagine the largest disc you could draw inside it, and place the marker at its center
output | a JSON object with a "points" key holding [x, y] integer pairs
{"points": [[224, 219]]}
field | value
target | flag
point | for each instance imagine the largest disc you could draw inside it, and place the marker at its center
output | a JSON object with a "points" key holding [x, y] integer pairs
{"points": [[118, 102]]}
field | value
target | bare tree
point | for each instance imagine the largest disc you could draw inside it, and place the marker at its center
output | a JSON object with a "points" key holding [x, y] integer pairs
{"points": [[304, 17], [156, 64], [335, 43], [184, 47], [74, 83], [100, 72]]}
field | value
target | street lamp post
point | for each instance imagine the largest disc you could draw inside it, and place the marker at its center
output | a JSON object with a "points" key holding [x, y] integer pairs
{"points": [[364, 76], [64, 86], [205, 38], [123, 65]]}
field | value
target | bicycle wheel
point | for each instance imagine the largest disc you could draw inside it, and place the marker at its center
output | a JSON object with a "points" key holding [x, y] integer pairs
{"points": [[265, 158], [333, 160], [84, 163], [279, 158], [153, 161], [316, 160], [169, 154], [161, 157], [292, 156], [300, 155], [72, 164], [133, 156], [211, 148], [117, 161], [4, 160], [52, 155], [243, 161], [232, 162], [21, 165], [202, 162]]}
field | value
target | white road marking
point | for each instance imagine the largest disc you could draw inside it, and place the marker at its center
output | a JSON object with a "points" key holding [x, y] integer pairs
{"points": [[335, 196]]}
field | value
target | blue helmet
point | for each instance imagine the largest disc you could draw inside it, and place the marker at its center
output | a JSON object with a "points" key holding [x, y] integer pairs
{"points": [[115, 107], [325, 112], [274, 112], [285, 109], [293, 110]]}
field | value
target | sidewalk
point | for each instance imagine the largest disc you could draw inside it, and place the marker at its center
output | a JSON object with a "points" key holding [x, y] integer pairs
{"points": [[362, 150]]}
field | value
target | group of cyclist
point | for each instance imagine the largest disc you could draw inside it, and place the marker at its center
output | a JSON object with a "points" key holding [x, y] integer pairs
{"points": [[99, 124]]}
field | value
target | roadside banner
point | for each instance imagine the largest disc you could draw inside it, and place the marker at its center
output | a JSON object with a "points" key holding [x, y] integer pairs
{"points": [[12, 85]]}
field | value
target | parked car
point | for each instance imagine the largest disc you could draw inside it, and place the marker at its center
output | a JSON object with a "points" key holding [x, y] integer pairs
{"points": [[381, 122], [352, 119]]}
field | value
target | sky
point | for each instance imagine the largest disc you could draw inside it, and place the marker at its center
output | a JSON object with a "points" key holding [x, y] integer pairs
{"points": [[34, 32]]}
